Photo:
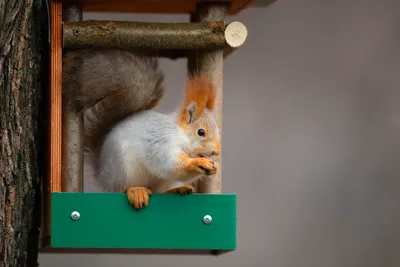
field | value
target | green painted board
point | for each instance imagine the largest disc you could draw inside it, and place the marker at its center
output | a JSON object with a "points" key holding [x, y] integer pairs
{"points": [[170, 221]]}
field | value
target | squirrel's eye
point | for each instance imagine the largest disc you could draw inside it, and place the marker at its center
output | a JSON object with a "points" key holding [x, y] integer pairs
{"points": [[201, 132]]}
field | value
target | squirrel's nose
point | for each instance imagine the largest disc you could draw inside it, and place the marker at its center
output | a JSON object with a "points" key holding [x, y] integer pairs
{"points": [[216, 149], [215, 152]]}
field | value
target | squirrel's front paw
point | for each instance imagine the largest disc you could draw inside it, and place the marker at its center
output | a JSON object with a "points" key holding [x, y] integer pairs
{"points": [[183, 190], [138, 197], [206, 165]]}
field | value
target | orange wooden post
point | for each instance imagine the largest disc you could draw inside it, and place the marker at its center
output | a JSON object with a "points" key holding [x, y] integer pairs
{"points": [[56, 96], [53, 184]]}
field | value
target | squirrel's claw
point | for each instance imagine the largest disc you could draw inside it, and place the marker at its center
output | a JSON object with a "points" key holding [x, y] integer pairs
{"points": [[207, 166], [183, 190], [138, 197]]}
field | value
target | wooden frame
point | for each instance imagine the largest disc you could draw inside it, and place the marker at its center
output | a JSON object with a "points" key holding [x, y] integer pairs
{"points": [[55, 146], [208, 61], [157, 6]]}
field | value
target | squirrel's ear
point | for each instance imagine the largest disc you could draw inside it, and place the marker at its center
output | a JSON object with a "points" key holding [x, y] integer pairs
{"points": [[191, 112]]}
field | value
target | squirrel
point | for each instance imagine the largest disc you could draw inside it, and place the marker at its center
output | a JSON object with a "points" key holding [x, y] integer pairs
{"points": [[129, 147]]}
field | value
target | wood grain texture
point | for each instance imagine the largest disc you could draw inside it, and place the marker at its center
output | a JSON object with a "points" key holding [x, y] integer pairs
{"points": [[143, 35], [53, 184], [72, 137], [56, 96], [157, 6], [210, 62]]}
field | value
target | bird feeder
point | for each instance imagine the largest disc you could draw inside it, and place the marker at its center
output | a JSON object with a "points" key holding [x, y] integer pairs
{"points": [[77, 220]]}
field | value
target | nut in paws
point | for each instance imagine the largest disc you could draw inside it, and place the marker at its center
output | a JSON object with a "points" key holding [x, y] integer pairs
{"points": [[207, 166]]}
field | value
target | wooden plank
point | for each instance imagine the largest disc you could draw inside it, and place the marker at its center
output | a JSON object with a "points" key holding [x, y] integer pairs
{"points": [[56, 96], [123, 6], [53, 184], [157, 6], [170, 221]]}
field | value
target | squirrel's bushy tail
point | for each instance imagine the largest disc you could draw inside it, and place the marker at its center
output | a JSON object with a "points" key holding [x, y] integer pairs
{"points": [[110, 85]]}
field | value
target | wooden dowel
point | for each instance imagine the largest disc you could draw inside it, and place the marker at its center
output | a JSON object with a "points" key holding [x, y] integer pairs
{"points": [[210, 62], [72, 139], [152, 35]]}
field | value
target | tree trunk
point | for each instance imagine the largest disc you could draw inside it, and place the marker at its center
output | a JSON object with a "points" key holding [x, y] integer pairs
{"points": [[23, 75]]}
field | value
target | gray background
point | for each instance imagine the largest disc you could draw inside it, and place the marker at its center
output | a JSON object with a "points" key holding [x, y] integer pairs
{"points": [[311, 138]]}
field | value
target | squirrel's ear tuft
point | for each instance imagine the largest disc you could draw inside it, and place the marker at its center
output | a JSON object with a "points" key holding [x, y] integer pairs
{"points": [[212, 95], [200, 94]]}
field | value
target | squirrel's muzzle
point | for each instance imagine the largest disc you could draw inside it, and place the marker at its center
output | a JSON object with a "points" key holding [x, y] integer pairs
{"points": [[215, 152]]}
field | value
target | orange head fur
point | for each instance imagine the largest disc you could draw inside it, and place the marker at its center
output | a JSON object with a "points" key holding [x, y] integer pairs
{"points": [[200, 94], [196, 117]]}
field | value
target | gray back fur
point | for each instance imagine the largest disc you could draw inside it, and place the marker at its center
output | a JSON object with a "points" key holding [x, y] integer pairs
{"points": [[109, 86]]}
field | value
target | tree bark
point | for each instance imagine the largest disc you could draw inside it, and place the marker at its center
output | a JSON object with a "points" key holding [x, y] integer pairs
{"points": [[23, 54], [144, 35]]}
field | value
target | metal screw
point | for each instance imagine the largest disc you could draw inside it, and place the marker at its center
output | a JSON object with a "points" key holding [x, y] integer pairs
{"points": [[75, 215], [207, 219]]}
